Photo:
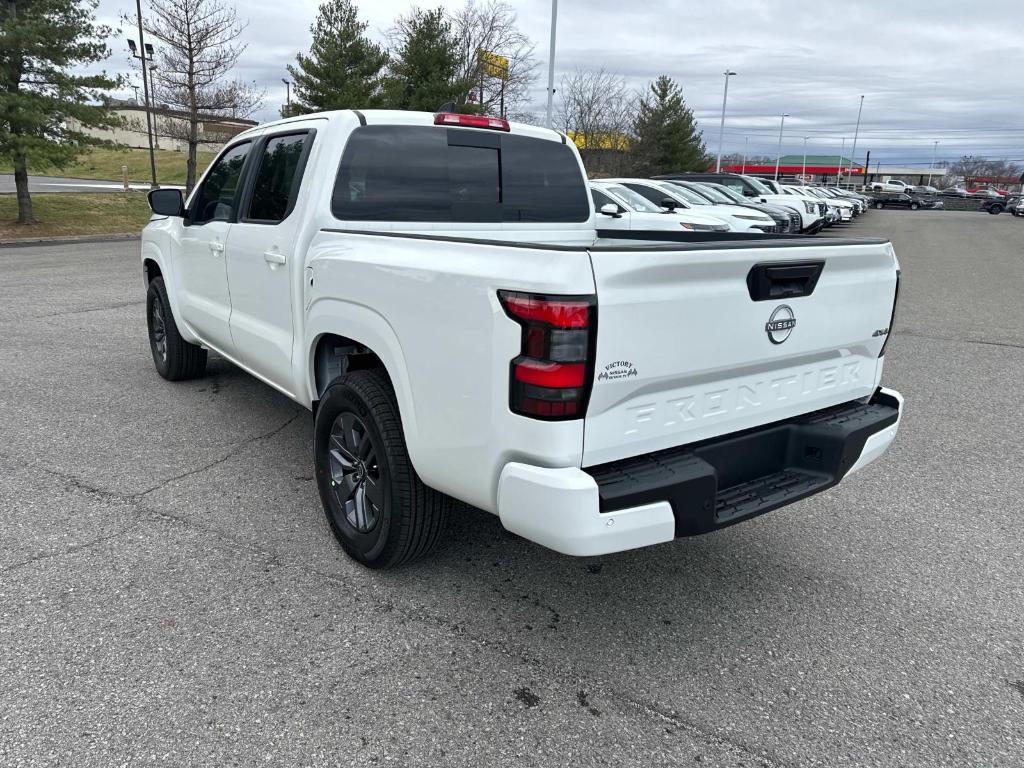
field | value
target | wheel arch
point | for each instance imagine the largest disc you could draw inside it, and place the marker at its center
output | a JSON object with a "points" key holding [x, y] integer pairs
{"points": [[343, 336]]}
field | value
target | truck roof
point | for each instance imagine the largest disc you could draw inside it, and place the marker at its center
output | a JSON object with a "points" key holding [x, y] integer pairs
{"points": [[397, 117]]}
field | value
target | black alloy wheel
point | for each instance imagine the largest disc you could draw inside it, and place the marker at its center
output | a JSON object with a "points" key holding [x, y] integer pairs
{"points": [[357, 477]]}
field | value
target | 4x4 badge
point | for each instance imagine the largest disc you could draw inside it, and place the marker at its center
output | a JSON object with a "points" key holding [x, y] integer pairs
{"points": [[780, 324]]}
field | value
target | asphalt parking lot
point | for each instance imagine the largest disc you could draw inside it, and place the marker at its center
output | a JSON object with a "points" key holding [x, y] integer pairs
{"points": [[170, 593]]}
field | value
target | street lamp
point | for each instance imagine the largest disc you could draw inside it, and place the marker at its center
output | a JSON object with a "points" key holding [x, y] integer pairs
{"points": [[148, 49], [721, 127], [551, 61], [288, 96], [778, 156], [853, 152]]}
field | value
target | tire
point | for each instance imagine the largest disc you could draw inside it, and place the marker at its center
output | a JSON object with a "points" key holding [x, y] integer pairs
{"points": [[914, 206], [378, 508], [879, 205], [995, 210], [175, 359]]}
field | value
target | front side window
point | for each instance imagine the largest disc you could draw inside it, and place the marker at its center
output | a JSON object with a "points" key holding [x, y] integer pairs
{"points": [[277, 178], [428, 173], [218, 196]]}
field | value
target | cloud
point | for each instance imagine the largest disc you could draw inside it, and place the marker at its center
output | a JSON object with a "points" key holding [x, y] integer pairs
{"points": [[937, 70]]}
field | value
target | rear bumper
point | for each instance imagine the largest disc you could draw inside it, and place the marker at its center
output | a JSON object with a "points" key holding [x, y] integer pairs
{"points": [[697, 488]]}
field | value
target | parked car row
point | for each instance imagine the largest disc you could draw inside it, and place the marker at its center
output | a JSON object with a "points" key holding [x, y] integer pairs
{"points": [[897, 186], [721, 202]]}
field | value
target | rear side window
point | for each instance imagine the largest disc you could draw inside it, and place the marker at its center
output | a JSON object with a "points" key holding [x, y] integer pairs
{"points": [[277, 178], [426, 173]]}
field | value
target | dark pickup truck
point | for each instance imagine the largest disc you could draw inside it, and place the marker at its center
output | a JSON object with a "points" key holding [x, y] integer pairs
{"points": [[903, 200]]}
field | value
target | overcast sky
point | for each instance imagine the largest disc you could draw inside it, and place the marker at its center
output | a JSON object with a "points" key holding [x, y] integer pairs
{"points": [[944, 70]]}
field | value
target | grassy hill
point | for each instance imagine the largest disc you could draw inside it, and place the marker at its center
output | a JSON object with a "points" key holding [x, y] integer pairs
{"points": [[70, 213], [106, 164]]}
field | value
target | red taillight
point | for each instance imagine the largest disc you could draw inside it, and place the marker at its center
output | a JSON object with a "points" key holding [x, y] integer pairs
{"points": [[471, 121], [551, 377]]}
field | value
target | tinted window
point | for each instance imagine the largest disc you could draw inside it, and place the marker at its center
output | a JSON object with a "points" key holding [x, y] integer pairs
{"points": [[218, 196], [654, 195], [424, 173], [277, 178]]}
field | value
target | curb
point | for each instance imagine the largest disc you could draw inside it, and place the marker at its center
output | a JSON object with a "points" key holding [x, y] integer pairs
{"points": [[69, 240]]}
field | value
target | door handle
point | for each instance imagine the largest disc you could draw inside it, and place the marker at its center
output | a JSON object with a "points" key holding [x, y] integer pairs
{"points": [[216, 248], [274, 258]]}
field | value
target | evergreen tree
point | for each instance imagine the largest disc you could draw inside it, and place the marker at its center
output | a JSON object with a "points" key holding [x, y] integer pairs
{"points": [[343, 68], [424, 72], [667, 138], [44, 105]]}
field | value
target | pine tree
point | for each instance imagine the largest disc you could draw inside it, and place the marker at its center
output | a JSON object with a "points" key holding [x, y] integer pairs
{"points": [[43, 105], [424, 72], [667, 138], [343, 68]]}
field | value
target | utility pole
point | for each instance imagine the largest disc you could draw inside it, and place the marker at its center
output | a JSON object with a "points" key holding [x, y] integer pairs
{"points": [[287, 97], [551, 61], [839, 165], [935, 150], [721, 128], [778, 155], [867, 167], [853, 152], [145, 91], [746, 140], [804, 172]]}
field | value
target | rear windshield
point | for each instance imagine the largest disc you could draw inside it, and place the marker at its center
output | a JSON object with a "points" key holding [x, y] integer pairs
{"points": [[426, 173]]}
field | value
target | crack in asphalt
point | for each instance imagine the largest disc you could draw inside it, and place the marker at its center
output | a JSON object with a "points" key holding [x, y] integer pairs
{"points": [[917, 335], [120, 305], [70, 550], [232, 452]]}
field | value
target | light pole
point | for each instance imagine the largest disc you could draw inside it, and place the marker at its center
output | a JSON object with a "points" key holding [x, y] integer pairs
{"points": [[746, 140], [778, 155], [145, 90], [152, 96], [853, 152], [839, 165], [935, 150], [803, 173], [551, 61], [287, 96], [721, 127]]}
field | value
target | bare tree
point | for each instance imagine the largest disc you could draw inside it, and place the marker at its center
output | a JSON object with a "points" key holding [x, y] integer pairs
{"points": [[199, 50], [491, 26], [971, 167], [596, 110]]}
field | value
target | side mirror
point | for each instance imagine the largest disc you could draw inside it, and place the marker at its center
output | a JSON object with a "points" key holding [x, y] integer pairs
{"points": [[610, 209], [167, 202], [669, 203]]}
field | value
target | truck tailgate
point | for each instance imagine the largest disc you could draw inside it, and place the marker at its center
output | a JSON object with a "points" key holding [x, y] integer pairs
{"points": [[689, 348]]}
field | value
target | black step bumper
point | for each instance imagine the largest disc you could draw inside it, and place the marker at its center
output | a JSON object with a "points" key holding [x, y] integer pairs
{"points": [[723, 481]]}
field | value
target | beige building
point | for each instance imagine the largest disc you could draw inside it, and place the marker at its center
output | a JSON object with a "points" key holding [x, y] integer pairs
{"points": [[213, 132]]}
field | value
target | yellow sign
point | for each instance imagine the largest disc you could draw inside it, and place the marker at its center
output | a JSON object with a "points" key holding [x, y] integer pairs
{"points": [[493, 64], [600, 140]]}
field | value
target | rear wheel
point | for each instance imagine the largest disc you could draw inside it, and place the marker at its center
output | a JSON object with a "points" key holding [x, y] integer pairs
{"points": [[379, 510], [914, 206], [879, 204], [995, 210], [175, 359]]}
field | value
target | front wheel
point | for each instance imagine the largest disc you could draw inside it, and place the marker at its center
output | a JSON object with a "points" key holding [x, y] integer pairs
{"points": [[995, 210], [914, 206], [378, 508], [175, 359], [879, 205]]}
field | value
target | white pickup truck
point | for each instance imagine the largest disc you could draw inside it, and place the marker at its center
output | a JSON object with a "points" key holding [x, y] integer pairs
{"points": [[436, 290]]}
